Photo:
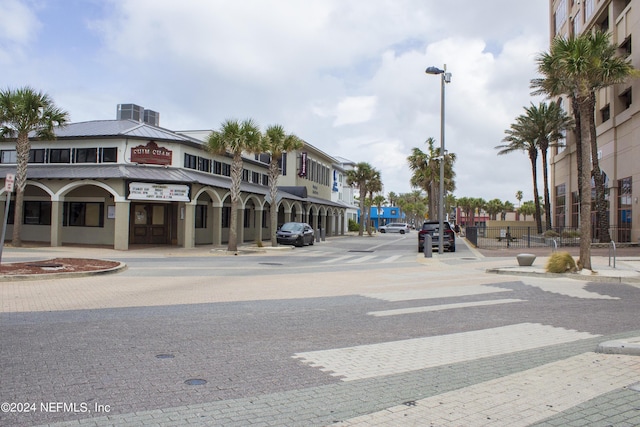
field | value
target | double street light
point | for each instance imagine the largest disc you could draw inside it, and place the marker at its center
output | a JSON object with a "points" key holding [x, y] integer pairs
{"points": [[444, 78]]}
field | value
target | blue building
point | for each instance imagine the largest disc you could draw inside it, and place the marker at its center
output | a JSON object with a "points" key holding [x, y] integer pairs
{"points": [[385, 215]]}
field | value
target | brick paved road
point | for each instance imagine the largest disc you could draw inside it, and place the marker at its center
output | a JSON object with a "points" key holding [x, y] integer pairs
{"points": [[412, 342]]}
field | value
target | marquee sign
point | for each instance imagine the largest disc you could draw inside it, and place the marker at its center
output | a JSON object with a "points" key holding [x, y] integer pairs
{"points": [[302, 172], [164, 192], [151, 154]]}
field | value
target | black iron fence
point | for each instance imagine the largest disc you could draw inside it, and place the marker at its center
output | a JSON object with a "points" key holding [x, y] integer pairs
{"points": [[528, 237]]}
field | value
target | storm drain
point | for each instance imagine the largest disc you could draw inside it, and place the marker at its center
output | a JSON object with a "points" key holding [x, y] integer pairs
{"points": [[164, 356], [270, 263], [195, 381], [357, 250]]}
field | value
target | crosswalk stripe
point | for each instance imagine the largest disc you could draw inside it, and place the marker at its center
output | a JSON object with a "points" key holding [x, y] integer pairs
{"points": [[395, 357], [412, 310], [507, 401], [334, 260], [390, 259], [361, 259]]}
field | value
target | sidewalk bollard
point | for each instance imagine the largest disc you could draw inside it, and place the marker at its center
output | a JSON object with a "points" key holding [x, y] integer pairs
{"points": [[323, 234], [428, 247], [317, 235]]}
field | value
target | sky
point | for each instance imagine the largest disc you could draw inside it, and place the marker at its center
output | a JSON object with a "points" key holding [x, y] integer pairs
{"points": [[347, 76]]}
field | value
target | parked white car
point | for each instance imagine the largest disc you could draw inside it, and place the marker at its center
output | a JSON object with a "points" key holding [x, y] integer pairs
{"points": [[395, 227]]}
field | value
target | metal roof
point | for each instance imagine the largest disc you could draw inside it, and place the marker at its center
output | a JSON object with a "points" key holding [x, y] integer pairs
{"points": [[119, 128]]}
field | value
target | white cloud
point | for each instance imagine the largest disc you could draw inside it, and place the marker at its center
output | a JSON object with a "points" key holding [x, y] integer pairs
{"points": [[346, 76], [355, 109]]}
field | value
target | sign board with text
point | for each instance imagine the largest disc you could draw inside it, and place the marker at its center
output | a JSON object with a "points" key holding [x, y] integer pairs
{"points": [[9, 180], [162, 192]]}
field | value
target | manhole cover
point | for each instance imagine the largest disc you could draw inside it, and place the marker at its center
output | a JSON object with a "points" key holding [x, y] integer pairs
{"points": [[195, 381], [165, 356], [270, 263]]}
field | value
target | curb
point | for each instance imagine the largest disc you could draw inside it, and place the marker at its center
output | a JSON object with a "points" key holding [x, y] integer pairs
{"points": [[46, 276], [576, 276], [629, 346]]}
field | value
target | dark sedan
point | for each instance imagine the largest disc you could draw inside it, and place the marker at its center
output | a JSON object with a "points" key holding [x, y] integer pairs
{"points": [[295, 233]]}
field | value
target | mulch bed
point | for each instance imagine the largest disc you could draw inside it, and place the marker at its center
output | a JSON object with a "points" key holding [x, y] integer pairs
{"points": [[56, 265]]}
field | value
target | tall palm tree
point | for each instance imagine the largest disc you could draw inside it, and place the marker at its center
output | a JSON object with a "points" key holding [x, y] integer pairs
{"points": [[426, 173], [494, 207], [235, 137], [519, 197], [277, 142], [548, 124], [521, 138], [373, 186], [579, 67], [359, 177], [22, 111], [378, 201], [392, 198]]}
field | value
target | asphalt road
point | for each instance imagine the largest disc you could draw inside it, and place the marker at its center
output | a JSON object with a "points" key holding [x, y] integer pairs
{"points": [[353, 331]]}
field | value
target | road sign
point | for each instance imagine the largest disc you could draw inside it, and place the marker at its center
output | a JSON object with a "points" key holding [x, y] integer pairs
{"points": [[8, 182]]}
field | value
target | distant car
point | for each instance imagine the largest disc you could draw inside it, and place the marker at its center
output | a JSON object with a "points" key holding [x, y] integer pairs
{"points": [[395, 227], [432, 228], [295, 233]]}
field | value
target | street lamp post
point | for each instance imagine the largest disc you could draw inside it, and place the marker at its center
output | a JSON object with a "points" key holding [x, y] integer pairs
{"points": [[444, 78]]}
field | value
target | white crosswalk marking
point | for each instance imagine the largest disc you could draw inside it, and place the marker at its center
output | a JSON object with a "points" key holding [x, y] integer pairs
{"points": [[390, 259], [411, 310], [507, 401], [361, 259], [430, 293], [335, 260], [367, 361]]}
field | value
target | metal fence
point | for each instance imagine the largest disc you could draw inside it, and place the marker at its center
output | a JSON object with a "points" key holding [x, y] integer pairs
{"points": [[527, 237]]}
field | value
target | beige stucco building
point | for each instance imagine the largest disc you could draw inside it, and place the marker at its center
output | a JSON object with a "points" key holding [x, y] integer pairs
{"points": [[617, 120], [130, 182]]}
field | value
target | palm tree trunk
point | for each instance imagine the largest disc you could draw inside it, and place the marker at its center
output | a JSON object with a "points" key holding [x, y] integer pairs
{"points": [[545, 180], [533, 156], [577, 132], [273, 193], [362, 216], [236, 179], [601, 204], [22, 160], [585, 202]]}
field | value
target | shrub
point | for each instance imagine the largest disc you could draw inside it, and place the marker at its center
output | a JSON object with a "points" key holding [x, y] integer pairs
{"points": [[570, 234], [353, 225], [551, 233], [561, 262]]}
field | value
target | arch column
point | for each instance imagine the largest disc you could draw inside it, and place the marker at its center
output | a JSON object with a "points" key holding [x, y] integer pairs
{"points": [[56, 222], [121, 232], [189, 225], [216, 224]]}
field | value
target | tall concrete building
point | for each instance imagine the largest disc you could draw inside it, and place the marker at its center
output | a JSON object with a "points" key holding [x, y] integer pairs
{"points": [[617, 120]]}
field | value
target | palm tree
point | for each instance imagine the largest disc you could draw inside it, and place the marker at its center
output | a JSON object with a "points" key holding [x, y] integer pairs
{"points": [[520, 138], [548, 124], [477, 204], [379, 201], [579, 67], [22, 111], [494, 207], [276, 142], [519, 197], [373, 186], [235, 137], [527, 208], [392, 198], [466, 204], [507, 206], [426, 173], [359, 177]]}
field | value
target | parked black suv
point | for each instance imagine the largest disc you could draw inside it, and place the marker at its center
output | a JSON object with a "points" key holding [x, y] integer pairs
{"points": [[431, 228]]}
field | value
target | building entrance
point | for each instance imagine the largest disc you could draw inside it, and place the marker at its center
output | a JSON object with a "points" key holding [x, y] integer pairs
{"points": [[151, 223]]}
